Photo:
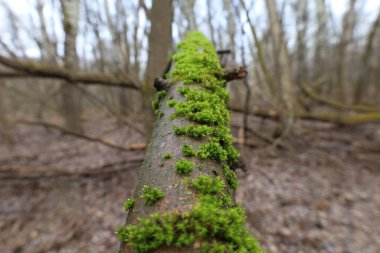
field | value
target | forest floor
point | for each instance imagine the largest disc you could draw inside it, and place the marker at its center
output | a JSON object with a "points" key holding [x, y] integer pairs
{"points": [[319, 194]]}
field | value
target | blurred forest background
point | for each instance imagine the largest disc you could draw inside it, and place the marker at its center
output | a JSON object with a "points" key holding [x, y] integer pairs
{"points": [[76, 85]]}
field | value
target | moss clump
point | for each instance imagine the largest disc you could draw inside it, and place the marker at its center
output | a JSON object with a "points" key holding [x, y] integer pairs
{"points": [[208, 185], [171, 102], [156, 103], [128, 204], [213, 222], [151, 195], [161, 94], [184, 167], [167, 155], [196, 131], [187, 150], [231, 178]]}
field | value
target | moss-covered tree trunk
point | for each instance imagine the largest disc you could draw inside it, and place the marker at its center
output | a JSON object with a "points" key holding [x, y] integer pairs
{"points": [[183, 202]]}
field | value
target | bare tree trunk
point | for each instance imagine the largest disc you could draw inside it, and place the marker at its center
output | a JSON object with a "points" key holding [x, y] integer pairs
{"points": [[362, 84], [301, 9], [320, 40], [285, 78], [5, 131], [49, 48], [183, 197], [209, 22], [72, 104], [160, 43], [345, 40]]}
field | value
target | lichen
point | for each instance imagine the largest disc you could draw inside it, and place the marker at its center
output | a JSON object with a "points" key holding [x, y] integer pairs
{"points": [[151, 195], [128, 204], [214, 224], [184, 167]]}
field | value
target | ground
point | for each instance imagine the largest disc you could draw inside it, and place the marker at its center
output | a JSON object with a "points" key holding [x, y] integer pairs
{"points": [[321, 193]]}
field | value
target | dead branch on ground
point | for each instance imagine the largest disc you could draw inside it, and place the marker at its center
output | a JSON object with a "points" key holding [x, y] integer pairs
{"points": [[336, 104]]}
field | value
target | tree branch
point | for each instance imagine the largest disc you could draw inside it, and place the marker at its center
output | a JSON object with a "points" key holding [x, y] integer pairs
{"points": [[65, 131], [234, 74], [87, 78]]}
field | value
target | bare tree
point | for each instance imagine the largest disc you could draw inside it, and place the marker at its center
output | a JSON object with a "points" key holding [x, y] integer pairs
{"points": [[320, 40], [349, 20], [301, 9], [366, 65], [71, 99], [160, 43], [285, 78]]}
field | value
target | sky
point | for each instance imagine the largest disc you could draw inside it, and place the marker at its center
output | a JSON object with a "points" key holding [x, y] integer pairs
{"points": [[26, 17]]}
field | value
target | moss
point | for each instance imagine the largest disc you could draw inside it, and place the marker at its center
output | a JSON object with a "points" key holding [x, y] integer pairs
{"points": [[194, 131], [184, 167], [208, 185], [128, 204], [167, 155], [155, 104], [231, 178], [161, 94], [171, 102], [187, 150], [151, 195], [215, 227]]}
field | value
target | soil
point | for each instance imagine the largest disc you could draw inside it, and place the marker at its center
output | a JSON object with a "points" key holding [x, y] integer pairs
{"points": [[319, 192]]}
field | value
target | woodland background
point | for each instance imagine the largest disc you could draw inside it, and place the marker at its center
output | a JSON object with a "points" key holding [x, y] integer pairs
{"points": [[76, 85]]}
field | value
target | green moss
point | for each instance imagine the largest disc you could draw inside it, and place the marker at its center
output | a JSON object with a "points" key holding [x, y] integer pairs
{"points": [[171, 102], [194, 131], [151, 195], [215, 227], [161, 94], [187, 150], [184, 167], [128, 204], [208, 185], [155, 104], [231, 177], [167, 155]]}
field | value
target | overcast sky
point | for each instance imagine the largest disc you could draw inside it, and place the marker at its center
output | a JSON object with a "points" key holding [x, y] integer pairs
{"points": [[24, 10]]}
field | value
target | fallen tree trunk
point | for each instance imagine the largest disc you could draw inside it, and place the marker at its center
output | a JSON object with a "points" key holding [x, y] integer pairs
{"points": [[183, 200]]}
